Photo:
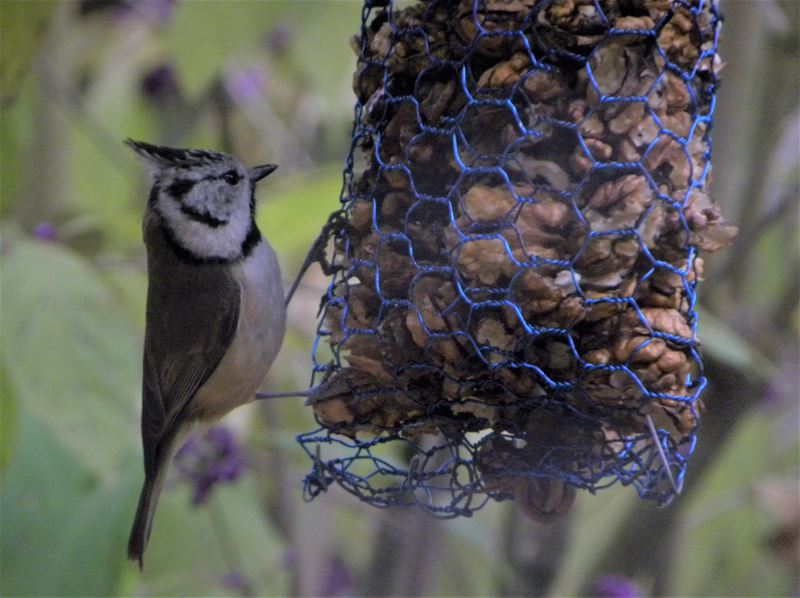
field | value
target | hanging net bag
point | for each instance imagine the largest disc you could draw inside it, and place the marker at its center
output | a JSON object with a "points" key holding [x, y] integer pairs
{"points": [[511, 312]]}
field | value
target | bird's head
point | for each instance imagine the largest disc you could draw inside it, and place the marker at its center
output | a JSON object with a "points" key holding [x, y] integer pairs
{"points": [[205, 199]]}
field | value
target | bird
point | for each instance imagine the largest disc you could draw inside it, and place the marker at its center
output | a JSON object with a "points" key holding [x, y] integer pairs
{"points": [[215, 315]]}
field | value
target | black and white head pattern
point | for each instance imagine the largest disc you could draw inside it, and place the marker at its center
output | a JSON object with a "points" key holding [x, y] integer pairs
{"points": [[205, 199]]}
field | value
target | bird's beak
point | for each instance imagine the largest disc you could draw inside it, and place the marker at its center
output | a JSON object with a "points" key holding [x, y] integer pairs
{"points": [[259, 172]]}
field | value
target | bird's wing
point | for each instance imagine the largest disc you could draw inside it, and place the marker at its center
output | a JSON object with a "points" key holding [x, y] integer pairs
{"points": [[191, 321]]}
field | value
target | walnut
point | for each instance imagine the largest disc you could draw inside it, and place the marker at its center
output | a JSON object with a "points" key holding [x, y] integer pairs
{"points": [[609, 69], [486, 204], [634, 23], [493, 333], [361, 216], [710, 232], [505, 73], [484, 261], [542, 86], [670, 321], [382, 41], [676, 41], [631, 115]]}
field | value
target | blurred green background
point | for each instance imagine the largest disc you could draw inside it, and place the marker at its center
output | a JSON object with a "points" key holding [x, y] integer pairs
{"points": [[270, 82]]}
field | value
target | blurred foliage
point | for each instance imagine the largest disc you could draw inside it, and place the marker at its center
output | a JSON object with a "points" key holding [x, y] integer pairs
{"points": [[95, 379], [737, 525], [270, 81], [23, 24]]}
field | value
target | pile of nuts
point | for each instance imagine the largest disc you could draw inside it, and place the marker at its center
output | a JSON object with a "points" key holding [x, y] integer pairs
{"points": [[520, 248]]}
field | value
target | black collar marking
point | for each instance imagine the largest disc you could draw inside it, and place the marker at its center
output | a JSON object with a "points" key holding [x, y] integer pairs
{"points": [[253, 235], [251, 240]]}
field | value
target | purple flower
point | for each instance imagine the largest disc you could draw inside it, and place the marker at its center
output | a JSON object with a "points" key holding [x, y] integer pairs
{"points": [[782, 389], [155, 11], [289, 559], [161, 10], [338, 581], [616, 586], [278, 40], [160, 82], [236, 582], [45, 231], [246, 85], [216, 458]]}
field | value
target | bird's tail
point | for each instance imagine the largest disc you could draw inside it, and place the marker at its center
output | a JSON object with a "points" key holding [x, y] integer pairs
{"points": [[143, 523], [151, 490], [153, 484]]}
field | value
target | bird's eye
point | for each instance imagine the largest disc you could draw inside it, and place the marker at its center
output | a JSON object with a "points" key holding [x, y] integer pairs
{"points": [[231, 177]]}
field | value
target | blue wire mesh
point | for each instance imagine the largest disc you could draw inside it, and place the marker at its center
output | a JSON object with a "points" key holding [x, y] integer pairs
{"points": [[512, 306]]}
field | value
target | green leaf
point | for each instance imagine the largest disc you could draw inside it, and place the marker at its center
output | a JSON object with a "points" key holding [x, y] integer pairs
{"points": [[475, 550], [596, 522], [69, 355], [8, 420], [192, 549], [23, 24], [129, 284], [62, 534], [93, 546], [206, 36], [329, 62], [110, 205], [15, 140], [292, 215], [724, 529], [720, 340]]}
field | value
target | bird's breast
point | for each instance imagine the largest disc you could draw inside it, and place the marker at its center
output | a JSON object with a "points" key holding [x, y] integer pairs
{"points": [[258, 338]]}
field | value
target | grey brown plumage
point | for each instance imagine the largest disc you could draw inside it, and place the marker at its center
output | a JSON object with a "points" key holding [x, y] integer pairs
{"points": [[185, 338], [214, 323]]}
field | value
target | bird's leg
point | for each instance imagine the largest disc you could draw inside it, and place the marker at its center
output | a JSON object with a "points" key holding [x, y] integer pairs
{"points": [[309, 393], [282, 395], [317, 252]]}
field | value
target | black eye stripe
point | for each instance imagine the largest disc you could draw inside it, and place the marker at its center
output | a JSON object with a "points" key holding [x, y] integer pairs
{"points": [[180, 187], [202, 217], [183, 186], [231, 177]]}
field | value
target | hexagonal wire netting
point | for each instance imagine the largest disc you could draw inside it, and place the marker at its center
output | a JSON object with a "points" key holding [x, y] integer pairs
{"points": [[511, 309]]}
